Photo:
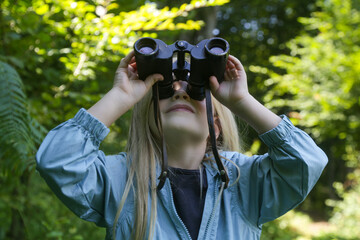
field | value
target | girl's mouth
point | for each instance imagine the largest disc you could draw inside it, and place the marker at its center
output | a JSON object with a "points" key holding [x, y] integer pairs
{"points": [[180, 107]]}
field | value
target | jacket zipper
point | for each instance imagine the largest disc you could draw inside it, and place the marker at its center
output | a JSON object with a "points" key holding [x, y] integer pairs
{"points": [[174, 208], [213, 211]]}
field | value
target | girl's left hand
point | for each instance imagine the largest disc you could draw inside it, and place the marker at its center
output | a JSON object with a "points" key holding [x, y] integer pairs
{"points": [[234, 87]]}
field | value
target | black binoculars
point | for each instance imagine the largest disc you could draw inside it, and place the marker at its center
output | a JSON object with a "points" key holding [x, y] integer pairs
{"points": [[207, 58]]}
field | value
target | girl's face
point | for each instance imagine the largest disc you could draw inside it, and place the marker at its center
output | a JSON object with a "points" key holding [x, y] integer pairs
{"points": [[183, 118]]}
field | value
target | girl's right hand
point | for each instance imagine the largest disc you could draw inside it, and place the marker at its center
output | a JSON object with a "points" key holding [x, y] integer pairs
{"points": [[128, 89], [127, 80]]}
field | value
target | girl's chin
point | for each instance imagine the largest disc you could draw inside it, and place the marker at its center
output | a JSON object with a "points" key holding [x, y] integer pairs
{"points": [[183, 118], [181, 132]]}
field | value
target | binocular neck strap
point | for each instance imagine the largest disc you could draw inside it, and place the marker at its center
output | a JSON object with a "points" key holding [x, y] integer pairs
{"points": [[223, 174], [164, 162]]}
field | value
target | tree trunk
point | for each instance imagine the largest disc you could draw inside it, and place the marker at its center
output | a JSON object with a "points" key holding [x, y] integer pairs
{"points": [[17, 228], [208, 15]]}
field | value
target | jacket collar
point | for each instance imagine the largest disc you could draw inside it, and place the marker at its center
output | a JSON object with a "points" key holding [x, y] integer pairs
{"points": [[209, 164]]}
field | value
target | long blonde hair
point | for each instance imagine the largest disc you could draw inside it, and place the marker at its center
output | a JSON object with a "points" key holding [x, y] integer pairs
{"points": [[144, 153]]}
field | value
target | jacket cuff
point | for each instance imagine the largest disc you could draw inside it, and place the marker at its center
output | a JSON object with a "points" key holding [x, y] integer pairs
{"points": [[92, 125], [279, 134]]}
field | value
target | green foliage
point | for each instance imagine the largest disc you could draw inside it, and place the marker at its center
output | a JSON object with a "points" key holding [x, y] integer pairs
{"points": [[53, 220], [346, 211], [16, 141], [317, 83], [19, 135], [285, 227], [97, 32], [258, 29], [298, 226], [321, 73]]}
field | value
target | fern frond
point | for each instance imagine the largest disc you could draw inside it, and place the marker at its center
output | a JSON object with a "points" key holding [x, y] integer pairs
{"points": [[16, 126]]}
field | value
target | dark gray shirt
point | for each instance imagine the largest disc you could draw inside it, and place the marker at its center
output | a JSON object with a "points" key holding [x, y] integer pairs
{"points": [[189, 203]]}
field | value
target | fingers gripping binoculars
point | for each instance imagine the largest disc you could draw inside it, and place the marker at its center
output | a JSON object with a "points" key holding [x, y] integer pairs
{"points": [[207, 58]]}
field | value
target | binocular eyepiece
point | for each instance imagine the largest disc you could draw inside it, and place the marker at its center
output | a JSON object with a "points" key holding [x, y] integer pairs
{"points": [[207, 58]]}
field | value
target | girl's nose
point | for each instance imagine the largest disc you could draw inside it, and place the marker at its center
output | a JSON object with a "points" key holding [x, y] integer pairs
{"points": [[180, 90]]}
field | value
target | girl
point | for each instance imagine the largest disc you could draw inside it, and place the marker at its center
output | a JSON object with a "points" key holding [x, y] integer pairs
{"points": [[119, 192]]}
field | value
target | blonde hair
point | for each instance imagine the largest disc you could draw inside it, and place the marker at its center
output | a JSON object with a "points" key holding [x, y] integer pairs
{"points": [[144, 154]]}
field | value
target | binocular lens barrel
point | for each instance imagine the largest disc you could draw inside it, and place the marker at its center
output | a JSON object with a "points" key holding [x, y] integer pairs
{"points": [[217, 46], [146, 46]]}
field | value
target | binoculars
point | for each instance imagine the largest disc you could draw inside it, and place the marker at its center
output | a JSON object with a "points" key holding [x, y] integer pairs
{"points": [[207, 58]]}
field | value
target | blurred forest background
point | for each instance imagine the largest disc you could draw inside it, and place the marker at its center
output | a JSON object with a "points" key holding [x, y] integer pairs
{"points": [[302, 58]]}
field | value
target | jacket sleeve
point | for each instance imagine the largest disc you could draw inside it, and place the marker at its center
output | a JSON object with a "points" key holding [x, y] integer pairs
{"points": [[274, 183], [79, 173]]}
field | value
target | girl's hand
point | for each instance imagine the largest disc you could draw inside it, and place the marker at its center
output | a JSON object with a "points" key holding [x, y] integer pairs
{"points": [[127, 91], [127, 80], [233, 93], [234, 88]]}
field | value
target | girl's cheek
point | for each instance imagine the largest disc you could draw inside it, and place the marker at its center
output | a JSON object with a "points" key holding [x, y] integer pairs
{"points": [[203, 106], [200, 104], [162, 104]]}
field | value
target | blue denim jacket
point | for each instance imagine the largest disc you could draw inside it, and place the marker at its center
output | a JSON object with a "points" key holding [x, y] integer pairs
{"points": [[91, 184]]}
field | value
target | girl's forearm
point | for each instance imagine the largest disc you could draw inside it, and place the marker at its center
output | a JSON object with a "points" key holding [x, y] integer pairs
{"points": [[109, 108], [255, 114]]}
